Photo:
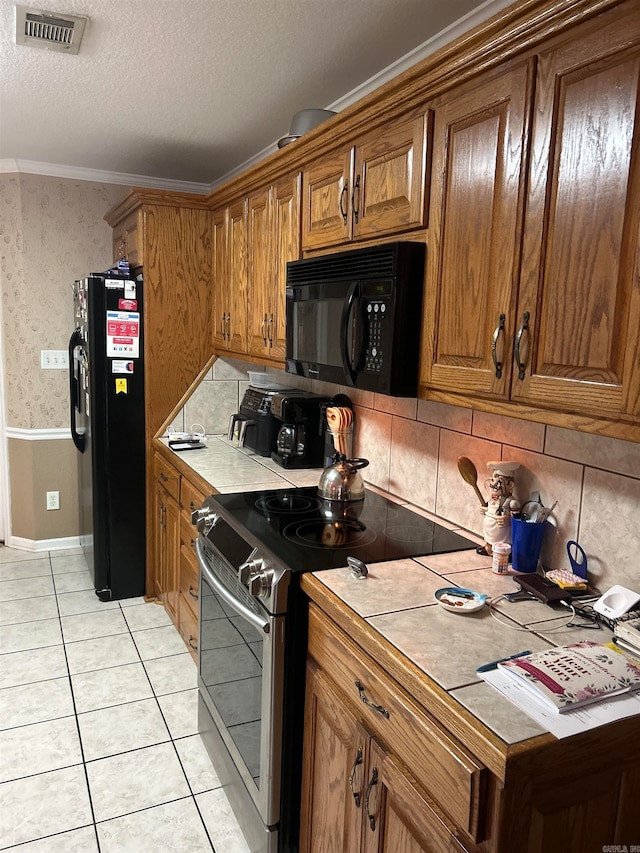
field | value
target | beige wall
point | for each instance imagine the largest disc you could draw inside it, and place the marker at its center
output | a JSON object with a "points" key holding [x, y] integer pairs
{"points": [[52, 231], [36, 468]]}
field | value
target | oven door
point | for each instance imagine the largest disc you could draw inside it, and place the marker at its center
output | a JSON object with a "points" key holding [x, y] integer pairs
{"points": [[241, 678]]}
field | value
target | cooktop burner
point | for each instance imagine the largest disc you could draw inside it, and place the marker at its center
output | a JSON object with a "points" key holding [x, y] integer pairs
{"points": [[306, 533]]}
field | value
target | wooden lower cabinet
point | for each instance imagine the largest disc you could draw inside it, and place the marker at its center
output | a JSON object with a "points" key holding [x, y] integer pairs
{"points": [[175, 562], [383, 773], [361, 734], [167, 542], [355, 795]]}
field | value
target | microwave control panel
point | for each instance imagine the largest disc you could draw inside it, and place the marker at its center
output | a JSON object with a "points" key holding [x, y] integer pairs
{"points": [[375, 313]]}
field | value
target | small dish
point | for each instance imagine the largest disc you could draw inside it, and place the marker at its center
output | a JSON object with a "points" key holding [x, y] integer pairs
{"points": [[459, 600]]}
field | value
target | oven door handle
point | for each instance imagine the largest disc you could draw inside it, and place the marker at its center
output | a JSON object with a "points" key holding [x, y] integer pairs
{"points": [[240, 608]]}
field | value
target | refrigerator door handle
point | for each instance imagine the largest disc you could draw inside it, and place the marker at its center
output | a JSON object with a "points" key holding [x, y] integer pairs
{"points": [[74, 390]]}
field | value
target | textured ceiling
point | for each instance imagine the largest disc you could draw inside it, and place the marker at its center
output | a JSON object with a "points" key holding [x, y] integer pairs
{"points": [[191, 89]]}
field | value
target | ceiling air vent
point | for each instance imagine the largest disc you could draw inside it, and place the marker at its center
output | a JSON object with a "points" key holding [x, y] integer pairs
{"points": [[49, 30]]}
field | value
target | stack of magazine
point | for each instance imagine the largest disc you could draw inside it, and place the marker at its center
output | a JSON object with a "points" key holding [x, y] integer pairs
{"points": [[571, 676], [627, 636]]}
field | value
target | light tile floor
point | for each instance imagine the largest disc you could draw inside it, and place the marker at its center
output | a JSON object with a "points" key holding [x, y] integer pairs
{"points": [[99, 751]]}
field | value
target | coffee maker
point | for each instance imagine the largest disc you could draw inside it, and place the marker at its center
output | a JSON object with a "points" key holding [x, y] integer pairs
{"points": [[300, 439]]}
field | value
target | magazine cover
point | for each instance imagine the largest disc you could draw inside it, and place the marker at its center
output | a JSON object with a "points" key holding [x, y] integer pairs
{"points": [[570, 676]]}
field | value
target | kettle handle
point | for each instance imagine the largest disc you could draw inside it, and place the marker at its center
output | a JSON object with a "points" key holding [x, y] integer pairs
{"points": [[357, 463]]}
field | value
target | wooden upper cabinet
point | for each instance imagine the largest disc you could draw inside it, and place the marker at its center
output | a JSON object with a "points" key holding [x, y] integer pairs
{"points": [[473, 241], [230, 282], [580, 287], [127, 239], [221, 300], [273, 239], [376, 188]]}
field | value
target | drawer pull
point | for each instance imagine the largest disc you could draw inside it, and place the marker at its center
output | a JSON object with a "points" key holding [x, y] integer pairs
{"points": [[193, 645], [164, 477], [369, 703], [373, 781], [356, 762], [192, 593]]}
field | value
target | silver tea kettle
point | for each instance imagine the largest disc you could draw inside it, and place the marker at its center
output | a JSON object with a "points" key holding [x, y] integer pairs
{"points": [[342, 481]]}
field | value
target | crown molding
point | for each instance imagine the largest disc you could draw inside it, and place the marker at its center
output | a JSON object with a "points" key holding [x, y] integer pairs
{"points": [[53, 170], [444, 37], [458, 28]]}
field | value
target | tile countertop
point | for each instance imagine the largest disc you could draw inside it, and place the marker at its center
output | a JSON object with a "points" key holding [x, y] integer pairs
{"points": [[397, 602]]}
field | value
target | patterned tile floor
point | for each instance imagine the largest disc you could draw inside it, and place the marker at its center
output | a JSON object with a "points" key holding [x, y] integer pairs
{"points": [[99, 751]]}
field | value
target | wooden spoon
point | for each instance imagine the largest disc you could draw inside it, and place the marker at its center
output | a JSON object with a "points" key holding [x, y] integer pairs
{"points": [[469, 474]]}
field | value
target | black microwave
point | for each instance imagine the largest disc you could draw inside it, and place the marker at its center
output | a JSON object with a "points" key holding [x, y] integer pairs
{"points": [[354, 317]]}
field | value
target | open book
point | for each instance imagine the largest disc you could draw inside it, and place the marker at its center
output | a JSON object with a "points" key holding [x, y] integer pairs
{"points": [[570, 676]]}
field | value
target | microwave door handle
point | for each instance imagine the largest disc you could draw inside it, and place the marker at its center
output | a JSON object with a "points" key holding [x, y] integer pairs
{"points": [[344, 327]]}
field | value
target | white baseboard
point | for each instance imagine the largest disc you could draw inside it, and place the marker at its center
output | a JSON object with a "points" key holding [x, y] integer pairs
{"points": [[38, 545]]}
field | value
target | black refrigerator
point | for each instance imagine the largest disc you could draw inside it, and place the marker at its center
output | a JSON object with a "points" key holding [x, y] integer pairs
{"points": [[106, 374]]}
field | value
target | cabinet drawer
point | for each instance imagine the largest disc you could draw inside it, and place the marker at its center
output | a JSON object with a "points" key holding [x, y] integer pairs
{"points": [[190, 497], [447, 771], [189, 578], [167, 475], [188, 626]]}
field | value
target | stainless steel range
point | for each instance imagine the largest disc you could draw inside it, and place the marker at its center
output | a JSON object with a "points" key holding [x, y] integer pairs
{"points": [[252, 548]]}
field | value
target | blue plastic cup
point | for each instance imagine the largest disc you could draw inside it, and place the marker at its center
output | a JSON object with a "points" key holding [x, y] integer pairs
{"points": [[526, 544]]}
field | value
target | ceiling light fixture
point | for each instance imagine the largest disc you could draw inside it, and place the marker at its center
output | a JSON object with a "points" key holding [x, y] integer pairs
{"points": [[49, 30]]}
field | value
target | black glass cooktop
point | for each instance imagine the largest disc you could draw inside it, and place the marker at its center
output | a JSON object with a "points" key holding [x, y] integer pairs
{"points": [[306, 533]]}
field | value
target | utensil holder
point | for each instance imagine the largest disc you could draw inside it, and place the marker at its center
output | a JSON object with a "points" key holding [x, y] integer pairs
{"points": [[342, 442], [526, 544]]}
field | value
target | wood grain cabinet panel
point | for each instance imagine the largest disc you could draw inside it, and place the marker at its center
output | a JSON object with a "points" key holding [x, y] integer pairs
{"points": [[274, 239], [473, 249], [444, 774], [230, 278], [128, 240], [373, 189], [533, 264], [580, 283]]}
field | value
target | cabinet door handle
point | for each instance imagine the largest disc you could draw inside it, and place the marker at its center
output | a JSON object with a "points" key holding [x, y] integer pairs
{"points": [[193, 645], [344, 195], [164, 477], [270, 332], [192, 593], [373, 781], [229, 326], [354, 206], [193, 506], [369, 703], [263, 333], [494, 346], [222, 329], [356, 763], [516, 350]]}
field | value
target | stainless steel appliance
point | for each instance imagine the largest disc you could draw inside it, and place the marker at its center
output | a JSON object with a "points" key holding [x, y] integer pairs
{"points": [[354, 317], [301, 436], [252, 548], [106, 377]]}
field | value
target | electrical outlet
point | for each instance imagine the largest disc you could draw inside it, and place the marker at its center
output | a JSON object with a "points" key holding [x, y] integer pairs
{"points": [[54, 359], [53, 500]]}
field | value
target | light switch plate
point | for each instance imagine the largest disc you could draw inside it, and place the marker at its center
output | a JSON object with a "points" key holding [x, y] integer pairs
{"points": [[54, 359]]}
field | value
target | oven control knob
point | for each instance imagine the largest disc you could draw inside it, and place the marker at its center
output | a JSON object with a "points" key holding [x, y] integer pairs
{"points": [[251, 566], [204, 519], [260, 583]]}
